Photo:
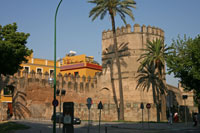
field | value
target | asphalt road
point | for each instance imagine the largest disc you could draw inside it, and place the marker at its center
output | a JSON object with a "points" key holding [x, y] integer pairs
{"points": [[111, 127]]}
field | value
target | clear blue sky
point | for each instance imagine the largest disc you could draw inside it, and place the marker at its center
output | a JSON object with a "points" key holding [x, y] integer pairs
{"points": [[76, 31]]}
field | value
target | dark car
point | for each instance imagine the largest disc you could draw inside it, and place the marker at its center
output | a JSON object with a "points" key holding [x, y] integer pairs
{"points": [[59, 117]]}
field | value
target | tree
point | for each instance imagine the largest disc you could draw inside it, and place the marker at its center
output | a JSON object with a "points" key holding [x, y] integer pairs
{"points": [[114, 7], [148, 77], [13, 50], [184, 62], [156, 54]]}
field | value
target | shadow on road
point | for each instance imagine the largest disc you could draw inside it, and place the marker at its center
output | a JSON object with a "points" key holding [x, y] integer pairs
{"points": [[110, 127]]}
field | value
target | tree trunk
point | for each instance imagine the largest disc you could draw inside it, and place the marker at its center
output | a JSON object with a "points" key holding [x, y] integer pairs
{"points": [[121, 105], [162, 95], [158, 112], [156, 101], [163, 107]]}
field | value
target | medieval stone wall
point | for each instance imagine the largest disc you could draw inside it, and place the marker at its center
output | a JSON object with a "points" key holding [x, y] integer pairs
{"points": [[33, 97]]}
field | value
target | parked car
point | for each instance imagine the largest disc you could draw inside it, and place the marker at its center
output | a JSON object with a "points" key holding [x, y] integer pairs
{"points": [[60, 116], [77, 120]]}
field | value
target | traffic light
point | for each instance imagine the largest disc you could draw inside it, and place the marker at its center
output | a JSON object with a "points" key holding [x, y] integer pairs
{"points": [[63, 92], [57, 92]]}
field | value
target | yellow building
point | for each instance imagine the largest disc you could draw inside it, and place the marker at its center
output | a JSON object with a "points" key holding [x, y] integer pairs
{"points": [[70, 64], [40, 65], [6, 98], [79, 65], [5, 95]]}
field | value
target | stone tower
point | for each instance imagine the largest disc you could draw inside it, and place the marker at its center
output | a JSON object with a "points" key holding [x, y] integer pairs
{"points": [[131, 44]]}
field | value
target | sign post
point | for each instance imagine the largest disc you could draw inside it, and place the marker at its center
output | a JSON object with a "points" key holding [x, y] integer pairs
{"points": [[184, 98], [142, 107], [89, 104], [55, 102], [100, 107], [148, 106], [68, 117]]}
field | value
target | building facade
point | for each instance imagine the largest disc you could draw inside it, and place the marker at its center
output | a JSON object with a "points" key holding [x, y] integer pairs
{"points": [[79, 65], [40, 65], [70, 64]]}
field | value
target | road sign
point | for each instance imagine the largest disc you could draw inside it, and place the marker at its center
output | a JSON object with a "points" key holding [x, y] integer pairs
{"points": [[100, 105], [89, 100], [141, 106], [55, 102], [148, 106]]}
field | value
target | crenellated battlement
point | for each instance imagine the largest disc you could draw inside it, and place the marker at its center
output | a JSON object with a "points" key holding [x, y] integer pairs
{"points": [[46, 75], [77, 83], [137, 29]]}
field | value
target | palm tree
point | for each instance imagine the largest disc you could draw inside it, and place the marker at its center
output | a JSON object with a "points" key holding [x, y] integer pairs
{"points": [[148, 77], [114, 7], [156, 53]]}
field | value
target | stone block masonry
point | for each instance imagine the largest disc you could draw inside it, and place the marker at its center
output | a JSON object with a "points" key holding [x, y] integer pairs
{"points": [[33, 98]]}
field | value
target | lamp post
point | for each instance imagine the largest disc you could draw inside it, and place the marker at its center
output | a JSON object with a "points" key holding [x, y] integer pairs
{"points": [[54, 107]]}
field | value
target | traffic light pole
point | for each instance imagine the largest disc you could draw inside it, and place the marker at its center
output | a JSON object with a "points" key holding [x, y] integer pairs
{"points": [[99, 121], [185, 113], [60, 113], [89, 122]]}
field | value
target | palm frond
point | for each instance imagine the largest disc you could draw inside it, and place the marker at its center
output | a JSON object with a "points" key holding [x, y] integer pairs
{"points": [[128, 3], [120, 7], [127, 11], [96, 11], [122, 16], [103, 14]]}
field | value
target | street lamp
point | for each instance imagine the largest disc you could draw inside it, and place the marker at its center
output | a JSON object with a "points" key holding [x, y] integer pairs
{"points": [[54, 107], [50, 80]]}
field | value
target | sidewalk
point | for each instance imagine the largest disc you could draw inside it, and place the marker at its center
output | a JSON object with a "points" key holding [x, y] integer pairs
{"points": [[112, 127]]}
